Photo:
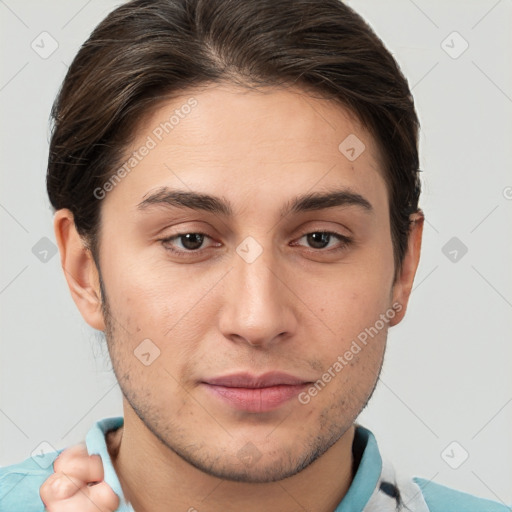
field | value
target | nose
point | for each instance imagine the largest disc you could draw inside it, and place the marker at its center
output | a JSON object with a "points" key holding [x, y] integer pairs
{"points": [[258, 306]]}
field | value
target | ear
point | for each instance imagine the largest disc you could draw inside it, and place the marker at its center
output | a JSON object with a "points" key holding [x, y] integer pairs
{"points": [[79, 269], [404, 281]]}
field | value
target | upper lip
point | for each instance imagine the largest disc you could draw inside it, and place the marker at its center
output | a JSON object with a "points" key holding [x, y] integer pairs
{"points": [[248, 380]]}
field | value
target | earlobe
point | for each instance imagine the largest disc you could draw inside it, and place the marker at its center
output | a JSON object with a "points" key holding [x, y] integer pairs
{"points": [[79, 269], [403, 284]]}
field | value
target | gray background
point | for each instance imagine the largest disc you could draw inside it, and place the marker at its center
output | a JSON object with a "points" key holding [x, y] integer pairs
{"points": [[447, 372]]}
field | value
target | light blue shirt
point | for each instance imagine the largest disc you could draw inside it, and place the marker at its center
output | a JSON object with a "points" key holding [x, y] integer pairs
{"points": [[375, 487]]}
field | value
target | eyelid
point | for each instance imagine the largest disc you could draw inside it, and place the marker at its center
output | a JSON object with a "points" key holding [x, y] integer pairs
{"points": [[328, 226], [344, 240], [334, 228], [175, 236]]}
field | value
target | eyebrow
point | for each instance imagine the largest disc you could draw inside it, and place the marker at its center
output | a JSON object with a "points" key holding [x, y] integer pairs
{"points": [[213, 204]]}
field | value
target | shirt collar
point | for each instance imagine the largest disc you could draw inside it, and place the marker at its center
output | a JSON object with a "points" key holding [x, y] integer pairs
{"points": [[367, 474], [96, 444]]}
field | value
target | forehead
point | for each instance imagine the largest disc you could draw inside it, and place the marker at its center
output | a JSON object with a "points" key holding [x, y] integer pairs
{"points": [[226, 139], [275, 118]]}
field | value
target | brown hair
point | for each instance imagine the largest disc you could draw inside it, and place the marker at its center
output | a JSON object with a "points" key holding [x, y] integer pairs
{"points": [[146, 50]]}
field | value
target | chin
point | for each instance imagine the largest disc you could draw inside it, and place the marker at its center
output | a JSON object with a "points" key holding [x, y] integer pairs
{"points": [[263, 474], [248, 465]]}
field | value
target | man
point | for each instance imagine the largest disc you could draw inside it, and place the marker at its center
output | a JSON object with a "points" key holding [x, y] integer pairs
{"points": [[236, 192]]}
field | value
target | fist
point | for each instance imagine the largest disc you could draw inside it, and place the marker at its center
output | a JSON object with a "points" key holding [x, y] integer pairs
{"points": [[77, 484]]}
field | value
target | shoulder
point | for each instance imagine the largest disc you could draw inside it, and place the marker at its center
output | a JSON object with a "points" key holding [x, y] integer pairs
{"points": [[442, 499], [20, 483]]}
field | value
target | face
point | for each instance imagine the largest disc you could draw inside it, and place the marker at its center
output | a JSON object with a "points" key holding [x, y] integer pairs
{"points": [[247, 270]]}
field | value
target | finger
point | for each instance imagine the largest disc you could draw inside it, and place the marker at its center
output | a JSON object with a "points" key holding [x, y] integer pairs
{"points": [[68, 455], [61, 493], [76, 462], [96, 498], [103, 495], [70, 451], [59, 486]]}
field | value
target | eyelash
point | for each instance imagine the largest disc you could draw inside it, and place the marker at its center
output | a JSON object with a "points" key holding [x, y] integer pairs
{"points": [[344, 240]]}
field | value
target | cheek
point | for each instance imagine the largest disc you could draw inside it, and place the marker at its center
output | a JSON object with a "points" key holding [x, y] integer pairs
{"points": [[141, 291], [348, 328], [350, 300], [151, 300]]}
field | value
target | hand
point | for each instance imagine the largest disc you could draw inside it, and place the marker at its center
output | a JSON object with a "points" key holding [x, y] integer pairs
{"points": [[77, 484]]}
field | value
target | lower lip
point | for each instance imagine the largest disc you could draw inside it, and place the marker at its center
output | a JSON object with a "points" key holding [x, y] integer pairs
{"points": [[256, 399]]}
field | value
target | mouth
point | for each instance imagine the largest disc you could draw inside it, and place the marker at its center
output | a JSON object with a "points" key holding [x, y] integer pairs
{"points": [[253, 393]]}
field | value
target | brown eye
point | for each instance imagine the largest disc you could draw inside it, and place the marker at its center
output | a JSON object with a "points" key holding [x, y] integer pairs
{"points": [[185, 242], [324, 240], [192, 241], [318, 240]]}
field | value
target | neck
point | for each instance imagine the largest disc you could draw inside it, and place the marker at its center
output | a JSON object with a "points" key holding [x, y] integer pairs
{"points": [[156, 479]]}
